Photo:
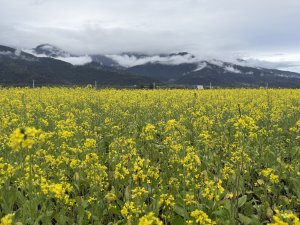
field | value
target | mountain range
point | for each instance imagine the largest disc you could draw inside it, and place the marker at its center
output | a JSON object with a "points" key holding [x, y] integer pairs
{"points": [[50, 65]]}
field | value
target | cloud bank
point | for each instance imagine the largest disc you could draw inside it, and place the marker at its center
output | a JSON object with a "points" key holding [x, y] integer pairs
{"points": [[214, 28], [131, 60], [74, 60]]}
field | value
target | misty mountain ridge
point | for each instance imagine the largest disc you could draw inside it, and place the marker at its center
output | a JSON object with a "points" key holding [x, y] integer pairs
{"points": [[50, 51], [180, 68], [20, 68]]}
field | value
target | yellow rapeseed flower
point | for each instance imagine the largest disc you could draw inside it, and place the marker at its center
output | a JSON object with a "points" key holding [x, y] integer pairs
{"points": [[202, 218], [7, 219], [150, 219]]}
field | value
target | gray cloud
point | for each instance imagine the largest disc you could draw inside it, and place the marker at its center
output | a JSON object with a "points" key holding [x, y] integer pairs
{"points": [[215, 28], [75, 60], [131, 60]]}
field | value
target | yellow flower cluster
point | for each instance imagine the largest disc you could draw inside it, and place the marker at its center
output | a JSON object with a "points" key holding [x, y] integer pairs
{"points": [[7, 219], [89, 143], [25, 138], [213, 190], [285, 218], [150, 219], [138, 192], [269, 173], [166, 199], [59, 190], [87, 156], [130, 210], [149, 132], [110, 196], [6, 171], [202, 218]]}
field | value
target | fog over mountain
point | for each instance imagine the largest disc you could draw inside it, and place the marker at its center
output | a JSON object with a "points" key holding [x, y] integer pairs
{"points": [[47, 50], [263, 32], [50, 65]]}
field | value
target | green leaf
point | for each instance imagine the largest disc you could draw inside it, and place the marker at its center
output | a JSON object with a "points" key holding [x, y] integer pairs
{"points": [[180, 211], [178, 220], [222, 213], [242, 200], [248, 208], [296, 186], [227, 205], [127, 193], [84, 204], [114, 211], [49, 213], [244, 219]]}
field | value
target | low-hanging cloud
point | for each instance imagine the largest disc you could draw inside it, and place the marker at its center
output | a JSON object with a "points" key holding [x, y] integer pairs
{"points": [[293, 66], [132, 60], [203, 27], [74, 60], [77, 61]]}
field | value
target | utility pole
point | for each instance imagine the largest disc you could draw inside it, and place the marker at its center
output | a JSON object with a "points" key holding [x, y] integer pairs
{"points": [[32, 83], [153, 85], [209, 85]]}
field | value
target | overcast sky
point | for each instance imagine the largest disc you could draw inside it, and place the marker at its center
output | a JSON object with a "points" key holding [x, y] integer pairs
{"points": [[267, 30]]}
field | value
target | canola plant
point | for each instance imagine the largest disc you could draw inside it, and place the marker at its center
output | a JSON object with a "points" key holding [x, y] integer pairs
{"points": [[85, 156]]}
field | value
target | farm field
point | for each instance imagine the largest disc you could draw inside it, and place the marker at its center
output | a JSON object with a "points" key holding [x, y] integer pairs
{"points": [[85, 156]]}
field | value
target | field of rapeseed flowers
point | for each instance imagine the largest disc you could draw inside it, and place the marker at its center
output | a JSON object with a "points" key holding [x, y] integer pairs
{"points": [[84, 156]]}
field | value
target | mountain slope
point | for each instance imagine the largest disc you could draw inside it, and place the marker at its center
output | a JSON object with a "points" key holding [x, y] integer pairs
{"points": [[50, 51], [218, 73], [238, 76], [162, 72], [52, 65], [19, 68]]}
